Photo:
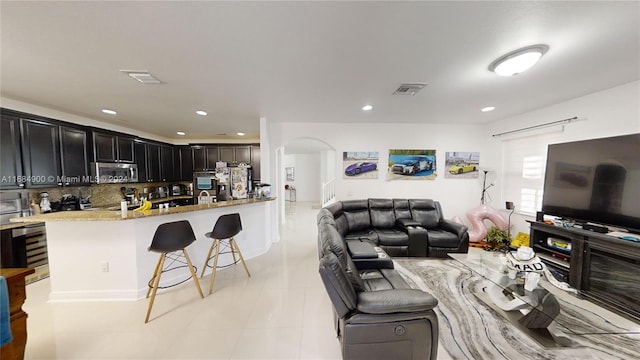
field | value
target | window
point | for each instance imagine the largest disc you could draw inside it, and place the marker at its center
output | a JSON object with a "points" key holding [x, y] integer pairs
{"points": [[524, 161]]}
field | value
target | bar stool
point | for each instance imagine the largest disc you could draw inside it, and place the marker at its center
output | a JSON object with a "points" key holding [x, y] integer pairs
{"points": [[226, 227], [169, 238]]}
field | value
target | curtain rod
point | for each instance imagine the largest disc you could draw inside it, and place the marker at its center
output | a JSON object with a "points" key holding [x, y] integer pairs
{"points": [[564, 121]]}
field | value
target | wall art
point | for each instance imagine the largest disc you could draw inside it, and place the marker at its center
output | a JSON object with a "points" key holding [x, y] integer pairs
{"points": [[360, 164], [406, 164], [462, 165]]}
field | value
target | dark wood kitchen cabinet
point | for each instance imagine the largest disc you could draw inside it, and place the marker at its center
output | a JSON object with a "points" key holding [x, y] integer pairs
{"points": [[74, 156], [167, 168], [255, 162], [153, 163], [112, 148], [183, 158], [234, 154], [41, 153], [204, 157], [140, 151], [10, 155]]}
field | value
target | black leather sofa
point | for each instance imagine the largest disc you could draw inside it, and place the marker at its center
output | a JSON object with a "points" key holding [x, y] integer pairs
{"points": [[400, 227], [376, 313]]}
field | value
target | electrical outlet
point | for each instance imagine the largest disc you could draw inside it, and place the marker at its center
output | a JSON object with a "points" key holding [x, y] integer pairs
{"points": [[105, 266]]}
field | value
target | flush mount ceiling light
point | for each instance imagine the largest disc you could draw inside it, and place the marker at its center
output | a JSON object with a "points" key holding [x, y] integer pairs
{"points": [[240, 134], [519, 60], [181, 133], [488, 108], [201, 113], [367, 107], [109, 111], [142, 76]]}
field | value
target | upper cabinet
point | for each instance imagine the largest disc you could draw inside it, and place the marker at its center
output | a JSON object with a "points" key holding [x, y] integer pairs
{"points": [[205, 157], [234, 154], [167, 167], [109, 147], [74, 155], [183, 159], [10, 155], [255, 162]]}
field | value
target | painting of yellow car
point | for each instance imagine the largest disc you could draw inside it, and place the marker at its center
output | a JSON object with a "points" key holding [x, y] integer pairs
{"points": [[460, 168]]}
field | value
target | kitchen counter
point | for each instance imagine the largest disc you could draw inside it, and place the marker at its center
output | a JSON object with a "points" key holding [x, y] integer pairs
{"points": [[113, 215], [18, 225], [102, 256]]}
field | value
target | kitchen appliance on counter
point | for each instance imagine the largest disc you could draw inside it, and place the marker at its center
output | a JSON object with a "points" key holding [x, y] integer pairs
{"points": [[45, 205], [12, 205], [205, 182], [129, 194], [163, 191], [69, 203], [179, 190], [113, 173]]}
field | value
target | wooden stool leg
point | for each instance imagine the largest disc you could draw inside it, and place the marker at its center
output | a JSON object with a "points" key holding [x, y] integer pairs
{"points": [[215, 265], [154, 274], [233, 251], [207, 259], [235, 246], [193, 272], [155, 286]]}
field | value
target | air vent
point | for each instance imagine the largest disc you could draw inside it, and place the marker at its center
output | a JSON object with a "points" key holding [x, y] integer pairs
{"points": [[409, 89], [142, 76]]}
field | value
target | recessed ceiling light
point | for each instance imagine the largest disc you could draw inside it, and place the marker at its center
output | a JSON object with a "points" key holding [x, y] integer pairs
{"points": [[519, 60], [367, 107], [240, 134], [488, 108], [108, 111], [181, 133], [202, 113]]}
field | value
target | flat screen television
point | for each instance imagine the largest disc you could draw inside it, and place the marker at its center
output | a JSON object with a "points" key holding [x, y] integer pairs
{"points": [[595, 181]]}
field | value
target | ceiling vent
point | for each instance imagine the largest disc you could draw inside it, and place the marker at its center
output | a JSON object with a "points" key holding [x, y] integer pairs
{"points": [[409, 89], [142, 76]]}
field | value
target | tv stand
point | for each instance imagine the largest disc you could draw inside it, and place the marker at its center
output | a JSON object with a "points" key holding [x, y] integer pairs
{"points": [[603, 268]]}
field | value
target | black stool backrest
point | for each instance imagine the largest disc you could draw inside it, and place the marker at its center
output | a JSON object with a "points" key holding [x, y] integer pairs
{"points": [[227, 226], [172, 236]]}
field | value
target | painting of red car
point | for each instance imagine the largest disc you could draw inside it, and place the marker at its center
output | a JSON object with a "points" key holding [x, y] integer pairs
{"points": [[360, 167]]}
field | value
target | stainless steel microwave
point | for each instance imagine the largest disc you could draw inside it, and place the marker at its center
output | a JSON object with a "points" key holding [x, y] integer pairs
{"points": [[113, 173]]}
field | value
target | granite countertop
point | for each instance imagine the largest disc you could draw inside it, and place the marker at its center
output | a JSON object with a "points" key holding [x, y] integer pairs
{"points": [[111, 215], [17, 225]]}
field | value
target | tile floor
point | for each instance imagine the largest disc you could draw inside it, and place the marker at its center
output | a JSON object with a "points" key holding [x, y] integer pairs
{"points": [[281, 312]]}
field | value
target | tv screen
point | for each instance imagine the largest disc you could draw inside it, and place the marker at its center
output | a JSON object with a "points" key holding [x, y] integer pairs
{"points": [[595, 181]]}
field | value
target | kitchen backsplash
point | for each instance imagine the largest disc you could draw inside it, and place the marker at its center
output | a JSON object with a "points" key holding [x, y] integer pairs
{"points": [[101, 195]]}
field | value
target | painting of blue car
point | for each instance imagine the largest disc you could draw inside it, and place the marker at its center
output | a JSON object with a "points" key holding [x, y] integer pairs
{"points": [[360, 167]]}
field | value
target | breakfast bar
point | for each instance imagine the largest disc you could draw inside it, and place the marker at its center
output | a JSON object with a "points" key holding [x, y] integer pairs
{"points": [[103, 255]]}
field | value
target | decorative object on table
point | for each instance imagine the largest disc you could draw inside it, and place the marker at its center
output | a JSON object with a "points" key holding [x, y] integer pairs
{"points": [[521, 239], [497, 240], [406, 164], [462, 165], [509, 205], [360, 164]]}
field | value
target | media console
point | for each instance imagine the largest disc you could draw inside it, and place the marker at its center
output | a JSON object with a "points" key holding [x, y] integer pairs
{"points": [[603, 268]]}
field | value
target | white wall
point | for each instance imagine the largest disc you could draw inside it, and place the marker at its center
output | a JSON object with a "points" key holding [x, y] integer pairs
{"points": [[308, 178], [456, 195], [611, 112]]}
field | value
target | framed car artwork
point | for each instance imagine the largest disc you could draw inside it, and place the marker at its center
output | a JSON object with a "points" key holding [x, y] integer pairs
{"points": [[360, 164], [462, 165], [407, 164]]}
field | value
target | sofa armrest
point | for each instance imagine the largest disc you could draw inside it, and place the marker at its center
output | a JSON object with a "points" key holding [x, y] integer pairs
{"points": [[361, 250], [395, 300], [404, 223], [454, 227]]}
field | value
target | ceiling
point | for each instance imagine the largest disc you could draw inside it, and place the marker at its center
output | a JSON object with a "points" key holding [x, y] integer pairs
{"points": [[307, 61]]}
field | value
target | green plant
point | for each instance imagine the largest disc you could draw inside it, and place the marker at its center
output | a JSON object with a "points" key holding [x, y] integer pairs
{"points": [[497, 240]]}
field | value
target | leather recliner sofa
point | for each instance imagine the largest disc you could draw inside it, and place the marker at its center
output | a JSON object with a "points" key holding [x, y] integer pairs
{"points": [[400, 227], [376, 313]]}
